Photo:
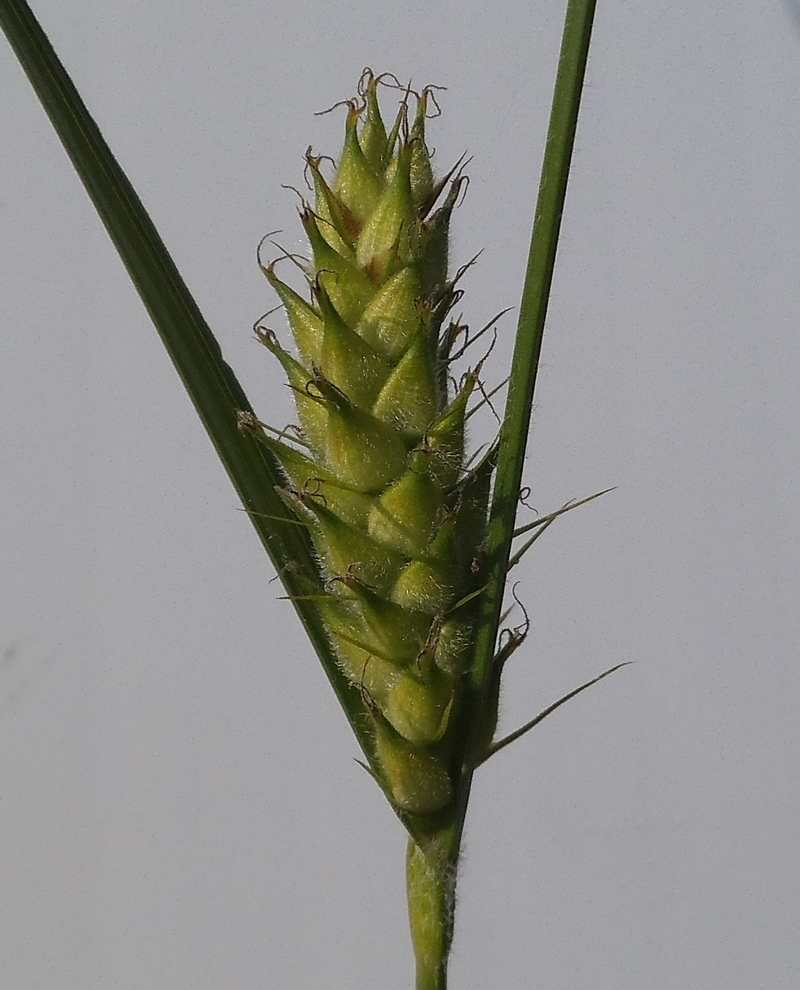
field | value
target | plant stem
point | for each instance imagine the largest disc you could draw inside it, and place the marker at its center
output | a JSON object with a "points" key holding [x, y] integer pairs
{"points": [[432, 866], [431, 879], [533, 311]]}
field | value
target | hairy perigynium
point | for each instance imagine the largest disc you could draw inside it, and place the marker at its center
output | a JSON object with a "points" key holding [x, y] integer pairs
{"points": [[380, 478]]}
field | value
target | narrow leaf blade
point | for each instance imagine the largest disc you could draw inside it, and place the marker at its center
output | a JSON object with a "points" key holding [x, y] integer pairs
{"points": [[513, 736], [210, 382], [533, 310]]}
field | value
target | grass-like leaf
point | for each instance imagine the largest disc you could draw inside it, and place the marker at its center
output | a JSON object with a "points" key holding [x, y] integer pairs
{"points": [[543, 523], [530, 329], [211, 384], [517, 733]]}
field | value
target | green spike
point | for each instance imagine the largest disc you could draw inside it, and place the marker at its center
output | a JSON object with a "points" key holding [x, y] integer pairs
{"points": [[304, 321], [403, 517], [444, 439], [357, 184], [417, 781], [374, 140], [339, 227], [363, 452], [395, 524], [347, 360], [313, 414], [348, 287], [390, 224], [421, 171], [393, 316], [418, 711], [410, 398]]}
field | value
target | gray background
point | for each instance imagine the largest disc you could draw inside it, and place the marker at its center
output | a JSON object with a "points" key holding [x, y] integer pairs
{"points": [[180, 806]]}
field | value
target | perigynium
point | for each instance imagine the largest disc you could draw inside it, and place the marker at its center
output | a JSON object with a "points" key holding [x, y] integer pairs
{"points": [[378, 471]]}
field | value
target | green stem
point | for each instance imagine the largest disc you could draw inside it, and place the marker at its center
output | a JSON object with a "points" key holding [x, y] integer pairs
{"points": [[431, 879], [433, 865], [533, 311]]}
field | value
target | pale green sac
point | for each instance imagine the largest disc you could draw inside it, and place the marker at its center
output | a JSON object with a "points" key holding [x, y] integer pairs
{"points": [[380, 479]]}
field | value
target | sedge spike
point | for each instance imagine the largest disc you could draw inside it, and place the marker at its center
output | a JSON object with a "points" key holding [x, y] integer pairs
{"points": [[395, 509], [382, 479]]}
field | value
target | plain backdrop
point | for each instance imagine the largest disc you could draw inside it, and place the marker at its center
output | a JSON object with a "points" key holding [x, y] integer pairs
{"points": [[179, 803]]}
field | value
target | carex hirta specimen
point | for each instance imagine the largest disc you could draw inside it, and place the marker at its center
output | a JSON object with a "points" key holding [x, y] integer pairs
{"points": [[394, 542], [380, 477]]}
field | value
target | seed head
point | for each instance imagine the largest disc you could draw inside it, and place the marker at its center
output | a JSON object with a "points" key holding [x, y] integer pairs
{"points": [[381, 484]]}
